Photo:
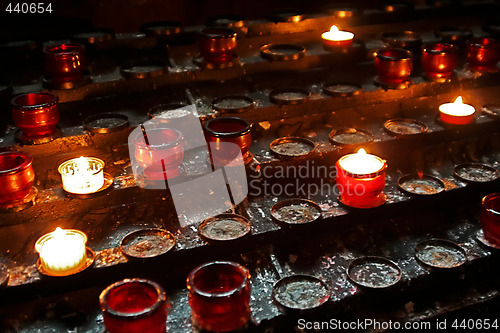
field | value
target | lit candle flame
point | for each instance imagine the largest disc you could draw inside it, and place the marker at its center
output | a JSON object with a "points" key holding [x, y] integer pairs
{"points": [[458, 100], [361, 151], [81, 165], [334, 29], [58, 233]]}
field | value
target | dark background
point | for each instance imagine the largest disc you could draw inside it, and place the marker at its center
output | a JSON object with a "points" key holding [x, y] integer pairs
{"points": [[128, 15]]}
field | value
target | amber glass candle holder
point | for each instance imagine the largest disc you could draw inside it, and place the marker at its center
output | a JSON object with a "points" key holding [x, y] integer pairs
{"points": [[159, 151], [134, 306], [16, 176], [36, 114], [393, 65], [217, 45], [219, 296], [65, 62], [490, 218], [227, 137], [439, 60], [483, 54]]}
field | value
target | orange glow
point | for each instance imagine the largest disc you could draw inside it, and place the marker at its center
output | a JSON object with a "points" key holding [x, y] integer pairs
{"points": [[82, 175], [337, 35], [361, 163], [62, 251], [457, 108]]}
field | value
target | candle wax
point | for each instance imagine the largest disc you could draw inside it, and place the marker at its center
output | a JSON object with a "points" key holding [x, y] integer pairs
{"points": [[361, 163], [82, 175], [336, 35], [457, 108]]}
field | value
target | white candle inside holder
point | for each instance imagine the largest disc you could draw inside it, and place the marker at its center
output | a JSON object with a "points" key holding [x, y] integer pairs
{"points": [[82, 175], [63, 251]]}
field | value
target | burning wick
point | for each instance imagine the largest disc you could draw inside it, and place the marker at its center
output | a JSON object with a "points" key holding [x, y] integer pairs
{"points": [[457, 113], [337, 38]]}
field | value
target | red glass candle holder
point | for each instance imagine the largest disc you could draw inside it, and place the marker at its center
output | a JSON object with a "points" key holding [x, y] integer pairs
{"points": [[457, 113], [361, 190], [219, 296], [16, 176], [393, 65], [227, 138], [217, 45], [439, 60], [134, 306], [483, 54], [490, 218], [36, 114], [65, 62], [159, 151]]}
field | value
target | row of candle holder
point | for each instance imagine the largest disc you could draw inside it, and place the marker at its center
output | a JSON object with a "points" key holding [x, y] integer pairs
{"points": [[67, 62], [217, 45], [169, 29], [219, 292], [136, 305], [439, 60], [228, 137], [85, 175], [63, 252], [37, 114], [219, 298]]}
